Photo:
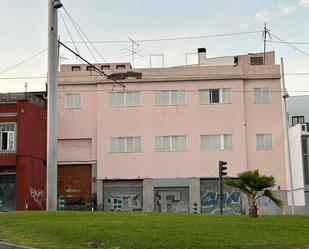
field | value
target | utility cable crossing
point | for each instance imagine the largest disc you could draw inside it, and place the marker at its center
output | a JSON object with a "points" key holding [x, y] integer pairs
{"points": [[95, 68]]}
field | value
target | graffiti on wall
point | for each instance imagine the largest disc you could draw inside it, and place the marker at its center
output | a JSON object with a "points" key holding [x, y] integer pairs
{"points": [[38, 196], [73, 196], [231, 202], [124, 202], [123, 195], [172, 200], [210, 198]]}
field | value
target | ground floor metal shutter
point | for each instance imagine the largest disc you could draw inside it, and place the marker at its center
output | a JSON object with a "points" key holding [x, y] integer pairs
{"points": [[7, 192]]}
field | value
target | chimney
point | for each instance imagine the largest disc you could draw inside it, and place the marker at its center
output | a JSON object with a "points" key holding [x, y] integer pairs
{"points": [[201, 55]]}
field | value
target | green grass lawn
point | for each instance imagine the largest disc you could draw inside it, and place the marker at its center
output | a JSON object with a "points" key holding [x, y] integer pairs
{"points": [[153, 230]]}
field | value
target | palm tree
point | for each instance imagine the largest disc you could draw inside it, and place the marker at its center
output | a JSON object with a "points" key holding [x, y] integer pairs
{"points": [[254, 186]]}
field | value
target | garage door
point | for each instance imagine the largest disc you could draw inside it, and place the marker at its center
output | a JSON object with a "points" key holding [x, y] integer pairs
{"points": [[74, 182], [7, 192]]}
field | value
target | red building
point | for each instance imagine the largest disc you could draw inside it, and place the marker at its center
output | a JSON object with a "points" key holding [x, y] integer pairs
{"points": [[23, 125]]}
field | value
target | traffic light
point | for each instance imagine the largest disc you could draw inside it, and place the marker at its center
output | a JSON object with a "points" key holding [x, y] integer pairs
{"points": [[222, 169]]}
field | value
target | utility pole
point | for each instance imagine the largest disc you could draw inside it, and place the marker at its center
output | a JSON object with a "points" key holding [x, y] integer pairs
{"points": [[265, 33], [51, 197], [285, 96]]}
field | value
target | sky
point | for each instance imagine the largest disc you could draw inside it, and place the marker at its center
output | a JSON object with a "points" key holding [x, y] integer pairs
{"points": [[23, 29]]}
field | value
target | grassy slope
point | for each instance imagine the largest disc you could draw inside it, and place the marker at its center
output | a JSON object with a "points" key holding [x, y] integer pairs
{"points": [[153, 230]]}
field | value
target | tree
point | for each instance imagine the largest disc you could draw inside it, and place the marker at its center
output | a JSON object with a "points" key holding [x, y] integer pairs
{"points": [[254, 186]]}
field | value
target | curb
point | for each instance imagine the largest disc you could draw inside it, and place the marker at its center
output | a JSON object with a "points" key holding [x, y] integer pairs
{"points": [[12, 246]]}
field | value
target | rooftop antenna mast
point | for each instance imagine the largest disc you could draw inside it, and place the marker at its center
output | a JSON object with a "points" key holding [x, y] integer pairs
{"points": [[133, 49], [266, 32]]}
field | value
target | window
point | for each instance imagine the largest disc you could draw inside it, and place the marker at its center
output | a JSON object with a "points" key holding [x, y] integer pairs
{"points": [[7, 136], [212, 96], [256, 61], [90, 68], [120, 66], [106, 67], [170, 97], [73, 100], [171, 143], [216, 142], [261, 95], [125, 144], [120, 99], [298, 120], [264, 141], [75, 68]]}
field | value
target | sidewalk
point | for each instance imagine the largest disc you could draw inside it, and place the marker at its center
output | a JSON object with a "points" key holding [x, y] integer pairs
{"points": [[12, 246]]}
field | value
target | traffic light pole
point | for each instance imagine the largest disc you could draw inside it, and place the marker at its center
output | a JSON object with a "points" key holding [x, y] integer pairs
{"points": [[222, 173], [221, 193]]}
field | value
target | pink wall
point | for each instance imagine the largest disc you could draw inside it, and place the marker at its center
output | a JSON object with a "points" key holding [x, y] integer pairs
{"points": [[97, 121]]}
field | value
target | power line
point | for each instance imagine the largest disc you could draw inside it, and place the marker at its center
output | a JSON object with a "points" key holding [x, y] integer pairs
{"points": [[95, 68], [299, 43], [23, 61], [177, 38], [289, 44], [79, 31], [148, 75]]}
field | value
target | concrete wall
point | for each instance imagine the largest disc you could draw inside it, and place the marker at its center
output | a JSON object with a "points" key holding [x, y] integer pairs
{"points": [[297, 166]]}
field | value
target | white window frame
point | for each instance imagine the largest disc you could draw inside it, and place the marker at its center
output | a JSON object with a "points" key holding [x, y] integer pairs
{"points": [[13, 133], [170, 97], [74, 95], [126, 144], [170, 138], [221, 91], [261, 90], [265, 146], [125, 97], [222, 147]]}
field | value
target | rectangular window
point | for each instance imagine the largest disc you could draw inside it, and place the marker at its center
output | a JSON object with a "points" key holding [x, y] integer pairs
{"points": [[170, 97], [90, 68], [75, 68], [298, 120], [125, 144], [106, 67], [122, 99], [73, 100], [7, 136], [120, 67], [215, 96], [171, 143], [261, 95], [256, 61], [216, 142], [264, 141]]}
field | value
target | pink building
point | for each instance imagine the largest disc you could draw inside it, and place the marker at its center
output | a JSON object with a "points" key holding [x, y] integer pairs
{"points": [[156, 145]]}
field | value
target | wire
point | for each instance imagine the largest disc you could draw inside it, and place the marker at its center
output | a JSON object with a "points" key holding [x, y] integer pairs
{"points": [[96, 69], [150, 75], [67, 28], [23, 61], [178, 38], [300, 43], [289, 44], [79, 31]]}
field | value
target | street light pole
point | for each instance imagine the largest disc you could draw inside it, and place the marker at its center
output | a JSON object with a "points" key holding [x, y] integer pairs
{"points": [[285, 96], [51, 196]]}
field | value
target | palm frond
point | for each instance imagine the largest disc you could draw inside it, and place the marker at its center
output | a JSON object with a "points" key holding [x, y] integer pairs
{"points": [[270, 195]]}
